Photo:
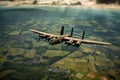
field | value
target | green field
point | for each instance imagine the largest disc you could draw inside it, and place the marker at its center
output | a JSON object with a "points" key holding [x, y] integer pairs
{"points": [[24, 57]]}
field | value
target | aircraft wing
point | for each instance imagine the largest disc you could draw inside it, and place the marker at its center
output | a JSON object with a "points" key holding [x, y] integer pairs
{"points": [[43, 33], [85, 41]]}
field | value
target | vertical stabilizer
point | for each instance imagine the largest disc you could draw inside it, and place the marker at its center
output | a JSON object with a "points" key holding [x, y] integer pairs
{"points": [[62, 30], [83, 34], [71, 32]]}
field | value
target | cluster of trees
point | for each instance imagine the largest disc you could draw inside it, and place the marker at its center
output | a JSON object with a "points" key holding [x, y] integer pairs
{"points": [[35, 2], [57, 2], [77, 3], [108, 1]]}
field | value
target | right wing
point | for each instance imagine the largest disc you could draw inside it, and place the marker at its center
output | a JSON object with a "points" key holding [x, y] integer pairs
{"points": [[78, 41]]}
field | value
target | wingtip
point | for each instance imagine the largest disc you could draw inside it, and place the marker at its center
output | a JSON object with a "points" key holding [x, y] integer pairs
{"points": [[108, 43], [30, 29]]}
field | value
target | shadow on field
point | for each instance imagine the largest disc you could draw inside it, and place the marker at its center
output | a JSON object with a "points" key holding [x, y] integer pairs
{"points": [[71, 49]]}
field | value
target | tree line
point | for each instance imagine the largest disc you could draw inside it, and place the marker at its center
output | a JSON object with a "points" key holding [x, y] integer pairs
{"points": [[108, 1]]}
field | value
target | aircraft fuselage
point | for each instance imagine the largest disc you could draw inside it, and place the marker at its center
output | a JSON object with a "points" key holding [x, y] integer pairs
{"points": [[59, 39]]}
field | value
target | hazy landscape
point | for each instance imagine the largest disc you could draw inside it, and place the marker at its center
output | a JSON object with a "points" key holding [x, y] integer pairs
{"points": [[24, 57], [107, 4]]}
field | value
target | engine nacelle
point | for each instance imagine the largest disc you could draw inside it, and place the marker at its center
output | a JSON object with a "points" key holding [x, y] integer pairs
{"points": [[42, 36], [77, 44], [70, 42], [51, 37]]}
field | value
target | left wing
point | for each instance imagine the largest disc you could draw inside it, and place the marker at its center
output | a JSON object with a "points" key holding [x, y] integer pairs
{"points": [[43, 34], [79, 41]]}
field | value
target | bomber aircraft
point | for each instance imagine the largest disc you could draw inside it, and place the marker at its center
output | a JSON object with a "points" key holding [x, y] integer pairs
{"points": [[67, 38]]}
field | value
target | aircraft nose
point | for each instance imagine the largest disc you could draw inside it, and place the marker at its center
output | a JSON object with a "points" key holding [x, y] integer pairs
{"points": [[51, 41]]}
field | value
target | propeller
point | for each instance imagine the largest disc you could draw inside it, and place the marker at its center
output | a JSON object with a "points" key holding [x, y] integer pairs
{"points": [[77, 45], [65, 42], [68, 44], [51, 41], [48, 38]]}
